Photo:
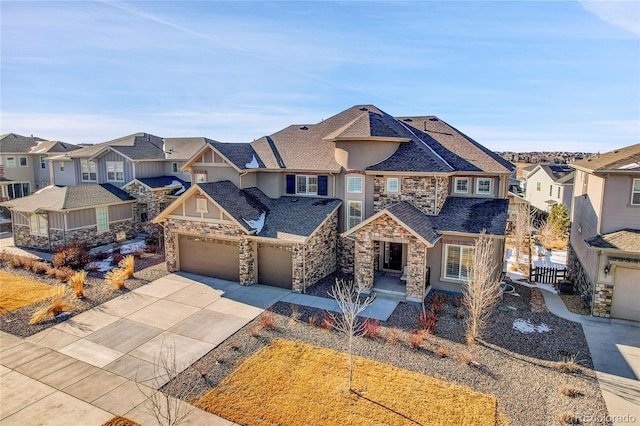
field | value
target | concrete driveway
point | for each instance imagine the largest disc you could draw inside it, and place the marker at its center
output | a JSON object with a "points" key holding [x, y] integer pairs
{"points": [[104, 362]]}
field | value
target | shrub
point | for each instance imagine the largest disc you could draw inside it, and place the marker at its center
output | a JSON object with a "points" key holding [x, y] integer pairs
{"points": [[437, 306], [467, 358], [116, 258], [74, 256], [127, 265], [63, 274], [39, 267], [568, 365], [151, 248], [428, 321], [570, 391], [137, 253], [266, 321], [27, 262], [442, 352], [58, 303], [327, 322], [50, 272], [295, 313], [371, 328], [234, 345], [102, 255], [313, 321], [14, 261], [116, 278], [77, 283], [568, 418], [417, 338], [394, 335]]}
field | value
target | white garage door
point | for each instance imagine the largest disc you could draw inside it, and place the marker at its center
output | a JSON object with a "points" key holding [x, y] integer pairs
{"points": [[626, 294]]}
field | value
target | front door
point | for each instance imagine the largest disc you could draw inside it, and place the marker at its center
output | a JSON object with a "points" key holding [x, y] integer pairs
{"points": [[392, 256]]}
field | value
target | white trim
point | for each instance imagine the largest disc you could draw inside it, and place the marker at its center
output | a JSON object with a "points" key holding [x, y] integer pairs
{"points": [[633, 191], [350, 217], [26, 161], [306, 185], [455, 185], [116, 165], [445, 261], [354, 179], [483, 179], [387, 186]]}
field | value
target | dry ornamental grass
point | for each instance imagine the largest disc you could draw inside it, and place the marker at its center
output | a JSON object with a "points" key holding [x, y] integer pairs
{"points": [[59, 302], [17, 292]]}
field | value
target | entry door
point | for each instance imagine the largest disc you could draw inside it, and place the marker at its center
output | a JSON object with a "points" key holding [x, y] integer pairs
{"points": [[392, 256]]}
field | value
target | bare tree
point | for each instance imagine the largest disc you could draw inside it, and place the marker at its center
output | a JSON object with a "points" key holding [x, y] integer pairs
{"points": [[546, 233], [351, 303], [168, 407], [481, 291], [521, 228]]}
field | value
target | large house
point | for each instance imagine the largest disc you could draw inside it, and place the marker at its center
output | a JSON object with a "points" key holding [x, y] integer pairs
{"points": [[381, 197], [604, 250], [549, 185], [23, 164]]}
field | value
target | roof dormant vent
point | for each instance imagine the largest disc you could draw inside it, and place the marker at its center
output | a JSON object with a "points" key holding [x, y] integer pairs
{"points": [[364, 109], [433, 119], [408, 120], [304, 128]]}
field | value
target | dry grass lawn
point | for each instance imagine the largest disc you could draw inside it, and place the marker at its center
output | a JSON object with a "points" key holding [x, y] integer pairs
{"points": [[293, 383], [17, 292]]}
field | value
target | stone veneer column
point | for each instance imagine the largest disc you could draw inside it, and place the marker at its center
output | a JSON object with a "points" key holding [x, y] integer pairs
{"points": [[297, 259], [416, 269], [247, 261], [364, 259]]}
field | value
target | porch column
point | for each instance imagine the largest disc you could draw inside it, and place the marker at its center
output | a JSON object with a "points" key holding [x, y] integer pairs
{"points": [[416, 271], [247, 261], [364, 260]]}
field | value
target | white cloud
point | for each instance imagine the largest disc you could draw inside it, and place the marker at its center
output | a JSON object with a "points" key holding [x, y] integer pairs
{"points": [[623, 14]]}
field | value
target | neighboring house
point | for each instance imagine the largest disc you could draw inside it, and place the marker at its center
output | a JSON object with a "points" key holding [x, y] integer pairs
{"points": [[23, 164], [604, 250], [55, 216], [515, 200], [138, 163], [361, 191], [548, 185]]}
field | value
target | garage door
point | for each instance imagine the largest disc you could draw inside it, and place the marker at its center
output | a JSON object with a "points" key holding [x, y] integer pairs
{"points": [[274, 266], [213, 258], [626, 294]]}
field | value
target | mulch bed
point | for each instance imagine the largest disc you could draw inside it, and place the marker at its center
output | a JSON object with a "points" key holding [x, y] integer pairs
{"points": [[518, 368], [147, 269]]}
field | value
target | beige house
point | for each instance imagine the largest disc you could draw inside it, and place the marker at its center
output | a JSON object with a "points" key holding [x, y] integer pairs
{"points": [[398, 202], [604, 252]]}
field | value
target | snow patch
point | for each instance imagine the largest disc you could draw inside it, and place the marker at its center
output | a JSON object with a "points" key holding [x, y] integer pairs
{"points": [[253, 164], [101, 265], [524, 326], [257, 224], [173, 183], [180, 191], [44, 189]]}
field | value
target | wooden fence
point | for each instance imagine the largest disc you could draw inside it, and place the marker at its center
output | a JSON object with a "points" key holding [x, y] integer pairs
{"points": [[541, 274]]}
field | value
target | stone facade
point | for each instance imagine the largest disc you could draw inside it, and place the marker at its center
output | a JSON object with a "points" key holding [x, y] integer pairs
{"points": [[600, 293], [386, 229], [320, 252], [427, 193], [346, 250], [154, 200], [58, 238], [247, 261]]}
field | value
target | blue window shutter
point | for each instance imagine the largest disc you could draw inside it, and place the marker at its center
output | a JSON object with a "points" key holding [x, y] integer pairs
{"points": [[291, 184], [322, 185]]}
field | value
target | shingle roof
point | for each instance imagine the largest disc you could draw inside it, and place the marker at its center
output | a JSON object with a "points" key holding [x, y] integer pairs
{"points": [[12, 143], [623, 240], [139, 146], [240, 154], [298, 216], [415, 219], [164, 181], [69, 197], [472, 215], [181, 149], [627, 158], [559, 173]]}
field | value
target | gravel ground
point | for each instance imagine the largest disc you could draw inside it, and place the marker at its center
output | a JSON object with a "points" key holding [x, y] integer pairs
{"points": [[575, 304], [147, 269], [515, 367]]}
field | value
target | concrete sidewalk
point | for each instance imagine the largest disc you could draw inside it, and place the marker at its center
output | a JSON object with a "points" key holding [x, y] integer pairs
{"points": [[615, 351]]}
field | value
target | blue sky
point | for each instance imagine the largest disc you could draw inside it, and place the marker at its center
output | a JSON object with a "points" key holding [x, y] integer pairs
{"points": [[552, 75]]}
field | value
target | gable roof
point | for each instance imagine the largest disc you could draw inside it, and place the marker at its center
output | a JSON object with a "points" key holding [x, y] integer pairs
{"points": [[181, 149], [623, 160], [561, 174], [139, 146], [57, 198], [241, 155], [472, 215], [624, 240], [13, 143]]}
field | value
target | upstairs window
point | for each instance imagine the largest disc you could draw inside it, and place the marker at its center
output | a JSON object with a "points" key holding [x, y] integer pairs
{"points": [[354, 213], [201, 176], [11, 161], [550, 190], [115, 171], [461, 185], [354, 184], [635, 193], [23, 162], [558, 197], [174, 167], [89, 173], [306, 185], [393, 185], [538, 186], [43, 162], [483, 186], [62, 166], [201, 204]]}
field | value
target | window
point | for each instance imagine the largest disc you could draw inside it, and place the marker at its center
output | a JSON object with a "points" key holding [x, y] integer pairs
{"points": [[102, 218], [201, 204], [354, 213], [174, 167], [558, 197], [11, 161], [62, 166], [201, 176], [88, 170], [461, 186], [483, 186], [635, 192], [25, 189], [43, 163], [392, 185], [143, 210], [354, 184], [550, 190], [538, 186], [459, 261], [23, 162], [306, 185], [38, 224], [115, 171]]}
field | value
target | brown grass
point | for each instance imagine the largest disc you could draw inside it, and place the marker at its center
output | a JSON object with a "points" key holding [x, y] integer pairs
{"points": [[568, 365], [127, 265], [120, 421], [570, 391], [537, 301], [17, 292], [393, 335], [59, 302], [308, 385], [116, 278], [568, 418], [77, 283], [559, 244]]}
